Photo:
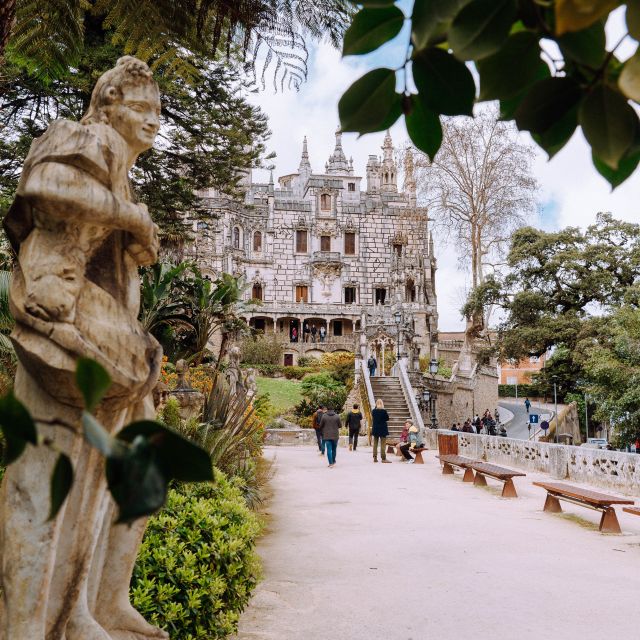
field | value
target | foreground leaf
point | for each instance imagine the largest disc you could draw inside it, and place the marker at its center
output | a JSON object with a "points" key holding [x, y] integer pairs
{"points": [[481, 28], [615, 177], [588, 46], [609, 124], [575, 15], [180, 458], [559, 133], [93, 382], [629, 81], [371, 28], [17, 426], [61, 483], [429, 20], [424, 128], [546, 103], [371, 103], [97, 436], [512, 69], [445, 84]]}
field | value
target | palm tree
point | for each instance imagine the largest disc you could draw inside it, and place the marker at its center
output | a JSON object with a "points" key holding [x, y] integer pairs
{"points": [[48, 34]]}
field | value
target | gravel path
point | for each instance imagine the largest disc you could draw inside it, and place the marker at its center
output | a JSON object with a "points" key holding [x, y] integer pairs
{"points": [[368, 551]]}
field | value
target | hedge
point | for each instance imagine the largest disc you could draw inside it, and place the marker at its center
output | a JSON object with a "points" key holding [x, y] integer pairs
{"points": [[524, 390], [197, 565]]}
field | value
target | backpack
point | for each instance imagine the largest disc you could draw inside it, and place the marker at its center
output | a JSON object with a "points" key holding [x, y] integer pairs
{"points": [[371, 362]]}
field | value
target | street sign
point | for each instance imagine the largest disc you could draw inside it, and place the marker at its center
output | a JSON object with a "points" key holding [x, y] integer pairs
{"points": [[533, 418], [544, 425]]}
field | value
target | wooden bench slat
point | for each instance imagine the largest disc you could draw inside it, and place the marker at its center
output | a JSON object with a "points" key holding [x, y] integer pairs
{"points": [[501, 473], [634, 510], [458, 461], [586, 495]]}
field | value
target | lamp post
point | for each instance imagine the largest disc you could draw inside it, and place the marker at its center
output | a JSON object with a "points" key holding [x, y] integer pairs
{"points": [[586, 416], [555, 400], [398, 318], [433, 369]]}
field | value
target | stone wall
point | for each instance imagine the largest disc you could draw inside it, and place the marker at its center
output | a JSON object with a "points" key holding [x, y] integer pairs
{"points": [[613, 470], [296, 437]]}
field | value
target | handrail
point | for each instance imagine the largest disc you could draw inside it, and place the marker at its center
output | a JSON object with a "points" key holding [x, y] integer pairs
{"points": [[366, 395], [407, 390]]}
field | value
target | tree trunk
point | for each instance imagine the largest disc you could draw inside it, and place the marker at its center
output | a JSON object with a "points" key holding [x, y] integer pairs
{"points": [[7, 20]]}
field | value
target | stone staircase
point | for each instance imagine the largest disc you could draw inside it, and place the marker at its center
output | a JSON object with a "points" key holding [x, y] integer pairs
{"points": [[389, 389]]}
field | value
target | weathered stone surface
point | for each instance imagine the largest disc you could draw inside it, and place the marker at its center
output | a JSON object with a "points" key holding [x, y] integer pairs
{"points": [[80, 237]]}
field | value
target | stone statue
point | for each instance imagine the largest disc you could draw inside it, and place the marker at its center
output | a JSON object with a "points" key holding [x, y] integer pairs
{"points": [[234, 374], [80, 236]]}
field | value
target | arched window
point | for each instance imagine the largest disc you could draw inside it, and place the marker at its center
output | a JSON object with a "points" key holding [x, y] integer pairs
{"points": [[256, 292], [325, 202], [257, 241], [236, 237]]}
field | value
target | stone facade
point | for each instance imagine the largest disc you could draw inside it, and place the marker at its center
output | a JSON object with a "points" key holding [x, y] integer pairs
{"points": [[329, 250]]}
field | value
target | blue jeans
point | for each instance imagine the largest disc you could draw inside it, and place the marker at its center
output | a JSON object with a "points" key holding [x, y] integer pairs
{"points": [[331, 446]]}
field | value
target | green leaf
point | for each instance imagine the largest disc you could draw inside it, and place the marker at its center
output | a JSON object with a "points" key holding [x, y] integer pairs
{"points": [[424, 128], [376, 3], [371, 102], [516, 66], [481, 28], [17, 426], [136, 481], [180, 458], [609, 124], [615, 177], [61, 483], [93, 382], [546, 103], [559, 133], [445, 84], [588, 47], [371, 28], [633, 18], [97, 436], [430, 20], [629, 80]]}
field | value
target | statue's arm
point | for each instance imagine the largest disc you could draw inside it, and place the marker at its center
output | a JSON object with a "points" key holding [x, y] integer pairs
{"points": [[70, 194]]}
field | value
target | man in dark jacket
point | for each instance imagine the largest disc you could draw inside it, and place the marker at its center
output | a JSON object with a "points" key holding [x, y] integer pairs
{"points": [[317, 416], [354, 418], [330, 426], [380, 430]]}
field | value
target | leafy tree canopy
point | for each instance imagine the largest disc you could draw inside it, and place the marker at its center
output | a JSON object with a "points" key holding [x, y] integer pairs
{"points": [[546, 62], [209, 132]]}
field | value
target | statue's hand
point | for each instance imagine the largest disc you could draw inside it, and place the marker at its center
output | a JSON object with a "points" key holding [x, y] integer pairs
{"points": [[144, 248]]}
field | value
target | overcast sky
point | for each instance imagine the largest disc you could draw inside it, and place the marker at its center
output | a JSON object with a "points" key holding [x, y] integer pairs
{"points": [[572, 192]]}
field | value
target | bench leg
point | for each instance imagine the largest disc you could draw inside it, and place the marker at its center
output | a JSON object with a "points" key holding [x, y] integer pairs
{"points": [[447, 469], [552, 504], [390, 448], [468, 475], [609, 521], [480, 480], [509, 489], [398, 452], [418, 459]]}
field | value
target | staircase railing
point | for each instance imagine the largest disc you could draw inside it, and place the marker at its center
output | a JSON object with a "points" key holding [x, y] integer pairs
{"points": [[400, 370], [366, 395]]}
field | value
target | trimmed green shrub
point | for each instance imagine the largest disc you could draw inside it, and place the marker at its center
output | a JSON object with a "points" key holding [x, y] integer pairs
{"points": [[170, 414], [263, 406], [297, 373], [197, 565], [261, 349], [321, 389], [524, 390]]}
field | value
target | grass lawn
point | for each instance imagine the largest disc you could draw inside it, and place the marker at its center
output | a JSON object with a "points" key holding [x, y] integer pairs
{"points": [[284, 394]]}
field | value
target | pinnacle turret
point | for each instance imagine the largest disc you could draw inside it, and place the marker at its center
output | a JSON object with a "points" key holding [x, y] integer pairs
{"points": [[305, 165], [337, 160]]}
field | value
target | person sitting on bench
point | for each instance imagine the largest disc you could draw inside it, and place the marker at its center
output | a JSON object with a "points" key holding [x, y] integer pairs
{"points": [[404, 444]]}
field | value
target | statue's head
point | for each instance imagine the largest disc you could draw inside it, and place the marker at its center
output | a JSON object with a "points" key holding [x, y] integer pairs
{"points": [[127, 98]]}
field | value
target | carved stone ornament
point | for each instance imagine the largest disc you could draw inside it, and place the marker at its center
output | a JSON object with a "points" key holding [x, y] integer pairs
{"points": [[79, 236], [326, 229]]}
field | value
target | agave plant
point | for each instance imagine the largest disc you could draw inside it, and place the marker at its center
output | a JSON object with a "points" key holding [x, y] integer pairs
{"points": [[6, 319]]}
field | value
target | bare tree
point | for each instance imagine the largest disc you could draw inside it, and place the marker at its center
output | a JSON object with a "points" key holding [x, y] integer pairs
{"points": [[478, 189]]}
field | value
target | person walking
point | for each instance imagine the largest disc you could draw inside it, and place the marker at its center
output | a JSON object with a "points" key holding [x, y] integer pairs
{"points": [[372, 365], [352, 422], [323, 333], [315, 423], [330, 425], [380, 431], [527, 404]]}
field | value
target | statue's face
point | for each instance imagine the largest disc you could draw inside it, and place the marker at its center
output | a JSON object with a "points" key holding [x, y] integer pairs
{"points": [[136, 117]]}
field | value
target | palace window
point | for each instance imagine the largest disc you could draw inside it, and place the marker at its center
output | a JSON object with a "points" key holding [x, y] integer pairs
{"points": [[337, 327], [380, 295], [410, 291], [257, 241], [349, 244], [302, 293], [236, 237], [325, 202], [351, 186], [325, 243], [301, 241], [397, 248], [256, 292], [349, 295]]}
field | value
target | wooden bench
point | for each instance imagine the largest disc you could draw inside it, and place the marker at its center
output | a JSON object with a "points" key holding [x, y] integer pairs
{"points": [[391, 446], [634, 510], [449, 461], [418, 452], [557, 491], [502, 474]]}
